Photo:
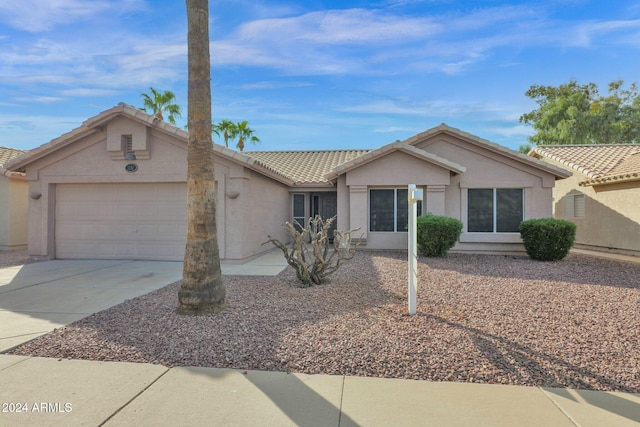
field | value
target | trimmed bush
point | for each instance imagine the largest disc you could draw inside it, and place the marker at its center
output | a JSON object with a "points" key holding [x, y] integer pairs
{"points": [[437, 234], [547, 239]]}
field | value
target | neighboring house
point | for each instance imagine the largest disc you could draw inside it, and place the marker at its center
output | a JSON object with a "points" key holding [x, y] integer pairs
{"points": [[13, 203], [115, 188], [602, 197]]}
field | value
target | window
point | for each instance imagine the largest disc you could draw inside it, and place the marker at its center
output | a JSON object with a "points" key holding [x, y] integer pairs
{"points": [[127, 144], [298, 209], [494, 210], [389, 209], [578, 205]]}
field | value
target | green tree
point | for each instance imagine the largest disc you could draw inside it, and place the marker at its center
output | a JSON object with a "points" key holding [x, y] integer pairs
{"points": [[576, 114], [202, 288], [245, 133], [158, 103], [227, 128], [561, 116]]}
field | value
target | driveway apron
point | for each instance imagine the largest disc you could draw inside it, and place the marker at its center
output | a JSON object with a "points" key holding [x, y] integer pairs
{"points": [[37, 298]]}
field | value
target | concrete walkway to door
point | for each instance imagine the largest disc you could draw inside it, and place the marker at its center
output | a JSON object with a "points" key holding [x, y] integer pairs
{"points": [[37, 298]]}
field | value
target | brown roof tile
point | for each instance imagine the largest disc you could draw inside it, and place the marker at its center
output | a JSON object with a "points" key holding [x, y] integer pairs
{"points": [[603, 163], [305, 167]]}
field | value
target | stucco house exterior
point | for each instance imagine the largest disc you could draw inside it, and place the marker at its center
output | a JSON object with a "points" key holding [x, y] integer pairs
{"points": [[116, 188], [603, 195], [13, 204]]}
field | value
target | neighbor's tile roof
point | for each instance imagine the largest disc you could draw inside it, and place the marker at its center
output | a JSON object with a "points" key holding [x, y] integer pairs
{"points": [[305, 167], [7, 154], [601, 164]]}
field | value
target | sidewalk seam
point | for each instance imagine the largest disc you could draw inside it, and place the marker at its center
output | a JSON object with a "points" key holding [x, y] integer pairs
{"points": [[17, 363], [134, 398], [566, 414], [344, 378]]}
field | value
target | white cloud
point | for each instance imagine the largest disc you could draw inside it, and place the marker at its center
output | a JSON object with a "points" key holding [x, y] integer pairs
{"points": [[90, 92], [38, 99], [358, 41], [510, 131], [39, 15]]}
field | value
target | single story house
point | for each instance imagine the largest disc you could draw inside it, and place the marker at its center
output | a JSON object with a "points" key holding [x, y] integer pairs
{"points": [[13, 203], [115, 187], [603, 195]]}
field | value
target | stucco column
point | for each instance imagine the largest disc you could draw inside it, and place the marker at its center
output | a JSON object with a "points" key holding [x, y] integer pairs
{"points": [[343, 221], [435, 199], [358, 209]]}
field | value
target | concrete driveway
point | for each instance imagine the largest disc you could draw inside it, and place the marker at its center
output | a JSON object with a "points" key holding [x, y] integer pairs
{"points": [[37, 298]]}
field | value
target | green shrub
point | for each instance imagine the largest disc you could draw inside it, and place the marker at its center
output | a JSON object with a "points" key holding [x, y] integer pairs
{"points": [[437, 234], [547, 239]]}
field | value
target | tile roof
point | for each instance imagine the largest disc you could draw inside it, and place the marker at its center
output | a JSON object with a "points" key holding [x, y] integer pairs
{"points": [[305, 167], [7, 154], [601, 164]]}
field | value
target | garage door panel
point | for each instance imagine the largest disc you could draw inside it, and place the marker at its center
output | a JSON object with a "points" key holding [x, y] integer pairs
{"points": [[121, 221]]}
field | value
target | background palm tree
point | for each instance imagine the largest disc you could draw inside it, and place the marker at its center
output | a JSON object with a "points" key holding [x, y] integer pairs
{"points": [[227, 128], [158, 103], [202, 288], [245, 133]]}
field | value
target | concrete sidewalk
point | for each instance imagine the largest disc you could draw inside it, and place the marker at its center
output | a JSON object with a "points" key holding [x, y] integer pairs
{"points": [[50, 392]]}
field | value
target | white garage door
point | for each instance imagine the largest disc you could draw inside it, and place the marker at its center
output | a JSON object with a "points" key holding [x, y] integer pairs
{"points": [[121, 221]]}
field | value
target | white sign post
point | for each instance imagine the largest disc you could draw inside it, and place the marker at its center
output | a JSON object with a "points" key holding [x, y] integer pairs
{"points": [[414, 195]]}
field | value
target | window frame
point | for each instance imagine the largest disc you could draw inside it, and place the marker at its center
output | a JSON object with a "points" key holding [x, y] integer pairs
{"points": [[494, 213], [395, 209], [579, 206], [300, 219]]}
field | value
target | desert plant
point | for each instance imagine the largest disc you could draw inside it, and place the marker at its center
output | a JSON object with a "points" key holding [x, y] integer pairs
{"points": [[437, 234], [547, 239], [311, 253]]}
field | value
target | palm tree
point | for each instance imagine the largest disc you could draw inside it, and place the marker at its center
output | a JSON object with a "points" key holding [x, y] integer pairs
{"points": [[161, 102], [245, 133], [202, 288], [228, 129]]}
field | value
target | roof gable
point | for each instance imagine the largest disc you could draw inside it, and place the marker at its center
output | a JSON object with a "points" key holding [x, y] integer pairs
{"points": [[443, 128], [98, 124], [390, 148], [600, 163]]}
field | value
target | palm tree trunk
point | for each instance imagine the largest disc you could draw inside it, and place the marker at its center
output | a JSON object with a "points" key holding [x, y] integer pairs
{"points": [[202, 287]]}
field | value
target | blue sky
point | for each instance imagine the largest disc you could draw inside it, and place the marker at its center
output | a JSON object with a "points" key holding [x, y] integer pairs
{"points": [[313, 74]]}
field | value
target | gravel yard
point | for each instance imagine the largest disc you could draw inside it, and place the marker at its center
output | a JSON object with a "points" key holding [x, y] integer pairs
{"points": [[13, 258], [488, 319]]}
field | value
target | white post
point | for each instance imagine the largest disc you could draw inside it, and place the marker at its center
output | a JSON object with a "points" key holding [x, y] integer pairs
{"points": [[413, 196]]}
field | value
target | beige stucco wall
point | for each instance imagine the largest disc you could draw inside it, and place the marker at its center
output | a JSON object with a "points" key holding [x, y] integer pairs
{"points": [[611, 221], [94, 159], [13, 213], [260, 208], [446, 193], [394, 170]]}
